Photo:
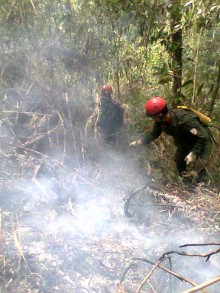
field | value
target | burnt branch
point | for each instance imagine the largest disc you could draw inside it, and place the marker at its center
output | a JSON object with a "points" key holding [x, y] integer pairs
{"points": [[120, 288], [133, 193], [203, 285], [205, 255], [125, 272], [178, 276], [204, 244], [156, 265]]}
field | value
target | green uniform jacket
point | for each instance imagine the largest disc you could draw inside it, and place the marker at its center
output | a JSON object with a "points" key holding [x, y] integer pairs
{"points": [[187, 132]]}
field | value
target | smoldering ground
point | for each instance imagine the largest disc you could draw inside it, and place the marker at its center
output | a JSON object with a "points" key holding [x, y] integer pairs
{"points": [[64, 225], [66, 231], [62, 221]]}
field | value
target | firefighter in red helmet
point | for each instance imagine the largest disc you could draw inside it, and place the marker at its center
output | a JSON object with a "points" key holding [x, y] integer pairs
{"points": [[110, 118], [191, 137], [106, 90], [154, 106]]}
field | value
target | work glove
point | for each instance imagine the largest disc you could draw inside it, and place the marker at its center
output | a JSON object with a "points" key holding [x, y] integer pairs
{"points": [[190, 158], [136, 142]]}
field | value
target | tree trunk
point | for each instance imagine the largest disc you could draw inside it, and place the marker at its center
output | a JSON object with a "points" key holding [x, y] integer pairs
{"points": [[176, 51], [215, 91]]}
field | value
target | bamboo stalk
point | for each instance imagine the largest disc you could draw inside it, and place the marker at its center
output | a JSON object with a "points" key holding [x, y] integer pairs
{"points": [[148, 275], [120, 288], [180, 277], [203, 285]]}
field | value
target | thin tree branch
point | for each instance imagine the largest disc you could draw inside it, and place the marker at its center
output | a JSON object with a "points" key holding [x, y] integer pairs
{"points": [[203, 285], [206, 255], [120, 288], [194, 244], [149, 274], [180, 277], [125, 272]]}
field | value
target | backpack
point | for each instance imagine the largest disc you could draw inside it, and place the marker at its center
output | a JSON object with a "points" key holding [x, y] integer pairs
{"points": [[202, 117]]}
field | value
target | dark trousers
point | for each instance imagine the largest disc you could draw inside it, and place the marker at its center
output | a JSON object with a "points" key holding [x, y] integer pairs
{"points": [[181, 153], [110, 139], [181, 166]]}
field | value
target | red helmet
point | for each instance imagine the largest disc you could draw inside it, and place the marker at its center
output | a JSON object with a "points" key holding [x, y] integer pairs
{"points": [[106, 89], [154, 106]]}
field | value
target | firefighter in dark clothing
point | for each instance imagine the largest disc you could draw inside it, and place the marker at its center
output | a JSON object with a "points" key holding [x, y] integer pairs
{"points": [[191, 137], [110, 118]]}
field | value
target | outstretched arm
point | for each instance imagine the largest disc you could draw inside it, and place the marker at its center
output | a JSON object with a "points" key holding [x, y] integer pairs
{"points": [[149, 137]]}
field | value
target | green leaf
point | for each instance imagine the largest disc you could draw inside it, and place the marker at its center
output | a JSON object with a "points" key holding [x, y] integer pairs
{"points": [[163, 81], [189, 59], [200, 89], [190, 81]]}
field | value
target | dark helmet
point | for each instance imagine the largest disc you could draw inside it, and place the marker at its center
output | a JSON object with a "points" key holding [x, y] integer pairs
{"points": [[106, 89], [155, 105]]}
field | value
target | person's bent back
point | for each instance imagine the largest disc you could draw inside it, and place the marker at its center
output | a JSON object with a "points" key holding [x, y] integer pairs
{"points": [[110, 115]]}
